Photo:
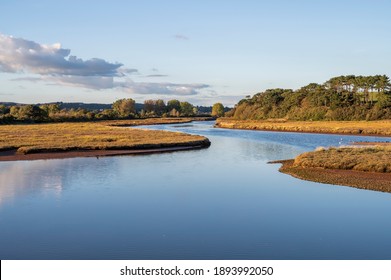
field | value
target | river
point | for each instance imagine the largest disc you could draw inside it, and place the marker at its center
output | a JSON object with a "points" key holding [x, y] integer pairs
{"points": [[223, 202]]}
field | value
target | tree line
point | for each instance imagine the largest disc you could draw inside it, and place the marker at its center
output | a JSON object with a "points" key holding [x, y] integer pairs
{"points": [[120, 109], [340, 98]]}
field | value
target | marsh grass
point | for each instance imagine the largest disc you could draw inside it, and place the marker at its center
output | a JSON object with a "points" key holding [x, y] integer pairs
{"points": [[372, 159], [55, 137], [334, 127]]}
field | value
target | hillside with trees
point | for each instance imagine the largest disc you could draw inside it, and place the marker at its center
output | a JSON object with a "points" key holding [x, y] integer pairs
{"points": [[340, 98]]}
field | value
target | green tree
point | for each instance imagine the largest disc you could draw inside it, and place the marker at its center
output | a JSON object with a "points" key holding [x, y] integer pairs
{"points": [[383, 100], [14, 111], [186, 109], [218, 110], [149, 106], [347, 97], [30, 113], [3, 109], [124, 107], [173, 104], [50, 109], [160, 107]]}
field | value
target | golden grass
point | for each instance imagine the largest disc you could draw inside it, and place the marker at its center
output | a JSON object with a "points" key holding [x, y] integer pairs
{"points": [[372, 159], [336, 127], [90, 136]]}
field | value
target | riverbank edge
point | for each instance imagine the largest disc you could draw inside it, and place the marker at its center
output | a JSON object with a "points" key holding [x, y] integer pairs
{"points": [[330, 127], [374, 181], [13, 155], [154, 121]]}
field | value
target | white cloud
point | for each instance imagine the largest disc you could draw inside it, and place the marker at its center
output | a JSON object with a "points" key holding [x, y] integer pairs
{"points": [[209, 98], [91, 82], [161, 88], [20, 55], [54, 65]]}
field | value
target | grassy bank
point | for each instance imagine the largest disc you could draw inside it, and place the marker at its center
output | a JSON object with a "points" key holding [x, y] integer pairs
{"points": [[379, 128], [365, 168], [371, 159], [60, 137]]}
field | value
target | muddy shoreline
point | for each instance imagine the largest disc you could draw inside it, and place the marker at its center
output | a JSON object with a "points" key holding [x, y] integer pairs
{"points": [[12, 155], [374, 181]]}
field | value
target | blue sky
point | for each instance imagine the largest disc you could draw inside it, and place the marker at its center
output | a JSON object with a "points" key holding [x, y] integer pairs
{"points": [[200, 51]]}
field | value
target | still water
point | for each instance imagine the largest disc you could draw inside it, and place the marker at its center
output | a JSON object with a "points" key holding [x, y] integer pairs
{"points": [[224, 202]]}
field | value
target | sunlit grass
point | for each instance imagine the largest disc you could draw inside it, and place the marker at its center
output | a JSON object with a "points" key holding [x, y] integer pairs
{"points": [[90, 136], [373, 159], [337, 127]]}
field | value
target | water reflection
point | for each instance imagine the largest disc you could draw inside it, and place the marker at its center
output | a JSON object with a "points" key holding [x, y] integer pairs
{"points": [[267, 151], [51, 177], [23, 178]]}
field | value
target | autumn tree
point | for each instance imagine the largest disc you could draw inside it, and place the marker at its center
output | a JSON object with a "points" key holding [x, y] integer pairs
{"points": [[124, 107], [218, 110]]}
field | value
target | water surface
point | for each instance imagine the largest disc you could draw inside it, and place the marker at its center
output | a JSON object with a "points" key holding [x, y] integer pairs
{"points": [[224, 202]]}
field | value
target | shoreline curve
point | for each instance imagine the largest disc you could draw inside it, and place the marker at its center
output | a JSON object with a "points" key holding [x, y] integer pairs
{"points": [[108, 139], [374, 181], [12, 155]]}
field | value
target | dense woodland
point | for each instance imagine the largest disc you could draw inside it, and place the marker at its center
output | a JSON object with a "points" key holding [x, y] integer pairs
{"points": [[120, 109], [340, 98]]}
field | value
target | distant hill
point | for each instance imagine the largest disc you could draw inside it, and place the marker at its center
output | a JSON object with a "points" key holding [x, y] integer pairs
{"points": [[8, 104], [75, 105]]}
